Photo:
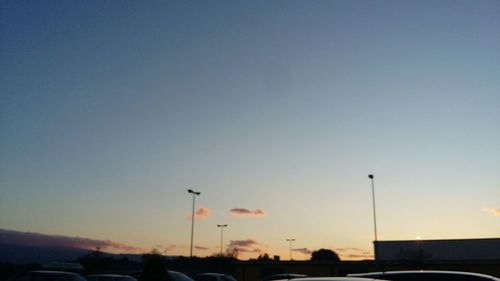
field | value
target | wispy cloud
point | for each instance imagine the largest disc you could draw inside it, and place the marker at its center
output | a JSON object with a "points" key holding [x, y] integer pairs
{"points": [[169, 248], [352, 253], [493, 211], [201, 248], [304, 251], [201, 213], [38, 239], [247, 212], [245, 246], [243, 243]]}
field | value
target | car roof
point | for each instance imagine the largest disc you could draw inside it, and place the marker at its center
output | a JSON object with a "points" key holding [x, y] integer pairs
{"points": [[381, 273], [109, 275], [279, 275], [54, 272], [336, 279]]}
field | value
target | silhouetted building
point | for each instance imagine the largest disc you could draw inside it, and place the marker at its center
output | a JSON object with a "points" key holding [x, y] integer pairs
{"points": [[487, 249]]}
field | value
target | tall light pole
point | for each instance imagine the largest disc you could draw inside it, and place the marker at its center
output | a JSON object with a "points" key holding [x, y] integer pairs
{"points": [[192, 220], [290, 240], [374, 216], [221, 235]]}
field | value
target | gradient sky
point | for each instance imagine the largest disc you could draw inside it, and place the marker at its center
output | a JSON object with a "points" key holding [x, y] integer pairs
{"points": [[110, 111]]}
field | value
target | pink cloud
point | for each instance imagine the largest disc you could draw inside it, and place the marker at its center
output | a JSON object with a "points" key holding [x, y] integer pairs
{"points": [[201, 213], [38, 239], [493, 211], [247, 212]]}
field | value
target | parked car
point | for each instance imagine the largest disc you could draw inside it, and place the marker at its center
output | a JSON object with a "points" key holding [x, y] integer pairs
{"points": [[283, 276], [47, 275], [109, 277], [209, 276], [427, 275]]}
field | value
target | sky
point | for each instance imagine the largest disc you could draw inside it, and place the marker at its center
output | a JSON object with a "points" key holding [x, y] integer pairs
{"points": [[276, 111]]}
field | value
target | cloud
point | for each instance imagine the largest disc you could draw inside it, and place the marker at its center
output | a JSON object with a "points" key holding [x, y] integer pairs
{"points": [[201, 248], [201, 213], [243, 243], [353, 253], [493, 211], [246, 250], [38, 239], [304, 251], [168, 248], [359, 256], [247, 212], [245, 246]]}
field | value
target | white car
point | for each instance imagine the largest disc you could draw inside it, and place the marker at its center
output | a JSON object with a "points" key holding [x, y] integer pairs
{"points": [[427, 275], [336, 279]]}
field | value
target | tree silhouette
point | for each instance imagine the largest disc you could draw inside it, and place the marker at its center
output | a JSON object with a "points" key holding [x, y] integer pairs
{"points": [[324, 255], [264, 257]]}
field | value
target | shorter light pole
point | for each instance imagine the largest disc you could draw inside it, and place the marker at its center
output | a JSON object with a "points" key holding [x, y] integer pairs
{"points": [[192, 221], [221, 235], [290, 240]]}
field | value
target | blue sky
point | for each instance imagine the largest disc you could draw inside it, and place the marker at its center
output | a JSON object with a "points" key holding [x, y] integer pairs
{"points": [[110, 111]]}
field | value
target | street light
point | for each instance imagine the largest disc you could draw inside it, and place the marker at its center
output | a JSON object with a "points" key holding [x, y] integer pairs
{"points": [[221, 235], [290, 240], [374, 216], [192, 220]]}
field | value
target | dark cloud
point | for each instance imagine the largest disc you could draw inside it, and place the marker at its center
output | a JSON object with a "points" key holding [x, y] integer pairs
{"points": [[247, 212], [38, 239], [245, 246], [201, 248], [247, 250], [303, 251], [243, 243]]}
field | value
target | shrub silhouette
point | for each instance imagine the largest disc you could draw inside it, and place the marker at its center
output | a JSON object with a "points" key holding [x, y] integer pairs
{"points": [[324, 255]]}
